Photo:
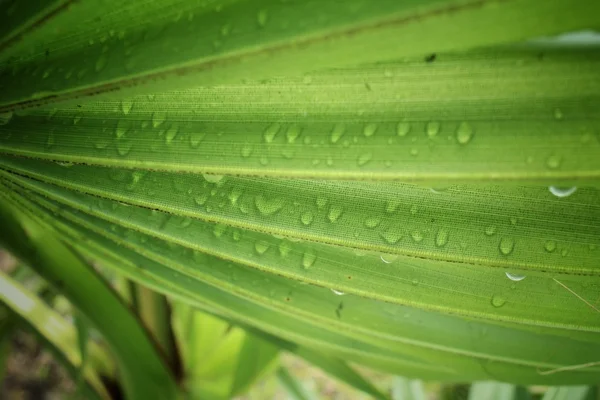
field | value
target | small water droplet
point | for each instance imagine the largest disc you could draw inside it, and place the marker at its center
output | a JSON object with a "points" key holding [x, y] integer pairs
{"points": [[171, 133], [246, 151], [213, 178], [268, 206], [126, 106], [498, 301], [464, 133], [564, 252], [234, 196], [490, 230], [271, 131], [225, 29], [432, 129], [558, 114], [364, 158], [219, 230], [308, 259], [369, 130], [236, 236], [372, 222], [321, 202], [513, 220], [337, 132], [262, 18], [201, 199], [292, 133], [506, 246], [261, 246], [392, 235], [402, 128], [416, 236], [388, 258], [334, 213], [284, 248], [391, 206], [158, 117], [121, 128], [562, 191], [101, 62], [124, 147], [306, 218], [264, 160], [441, 238], [339, 293], [414, 152], [50, 141], [5, 117], [515, 277], [553, 162], [196, 138]]}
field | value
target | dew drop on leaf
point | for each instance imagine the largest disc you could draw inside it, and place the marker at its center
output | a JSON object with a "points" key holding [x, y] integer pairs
{"points": [[364, 158], [126, 106], [334, 213], [506, 246], [416, 236], [158, 117], [292, 133], [219, 230], [464, 133], [337, 292], [402, 128], [306, 218], [337, 132], [308, 259], [271, 132], [101, 62], [262, 18], [196, 138], [562, 191], [441, 238], [268, 206], [171, 133], [50, 141], [261, 246], [201, 199], [392, 235], [121, 128], [490, 230], [124, 147], [213, 178], [498, 301], [553, 162], [388, 258], [246, 151], [372, 222], [391, 206], [558, 114], [515, 277], [414, 209], [284, 248], [369, 130], [432, 129], [234, 196]]}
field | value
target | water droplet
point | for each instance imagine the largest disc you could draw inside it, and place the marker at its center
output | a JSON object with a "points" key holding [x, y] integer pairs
{"points": [[50, 141], [284, 248], [262, 18], [372, 222], [236, 236], [391, 206], [271, 131], [414, 152], [213, 178], [246, 150], [416, 236], [369, 130], [562, 191], [5, 117], [490, 230], [334, 213], [392, 235], [402, 128], [185, 222], [337, 132], [101, 62], [441, 238], [201, 199], [219, 230], [261, 246], [306, 218], [513, 220], [308, 259], [121, 129], [515, 277], [266, 206], [506, 246], [321, 202], [558, 113], [292, 133], [339, 293], [498, 301], [234, 196], [464, 133], [364, 158], [553, 162], [171, 133], [126, 106], [388, 258], [264, 160], [124, 147], [158, 117], [225, 29], [564, 252], [432, 129], [196, 138]]}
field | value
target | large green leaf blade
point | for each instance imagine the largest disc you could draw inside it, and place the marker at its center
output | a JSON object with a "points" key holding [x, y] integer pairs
{"points": [[248, 39]]}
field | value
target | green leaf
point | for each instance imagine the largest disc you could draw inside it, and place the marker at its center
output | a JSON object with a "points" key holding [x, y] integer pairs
{"points": [[497, 391], [569, 393], [80, 284], [378, 122], [406, 389], [54, 330], [256, 359], [339, 370], [295, 389], [238, 40]]}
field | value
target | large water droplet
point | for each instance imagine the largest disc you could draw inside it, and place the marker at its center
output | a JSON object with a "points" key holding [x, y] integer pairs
{"points": [[261, 246], [337, 132], [402, 128], [506, 246], [126, 106], [171, 133], [213, 178], [550, 246], [308, 259], [101, 62], [498, 301], [372, 222], [432, 128], [306, 218], [416, 236], [464, 133], [234, 196], [562, 191], [515, 277], [334, 213], [369, 130], [441, 238], [158, 117], [490, 230], [339, 293], [364, 158], [392, 235], [268, 206], [271, 131]]}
